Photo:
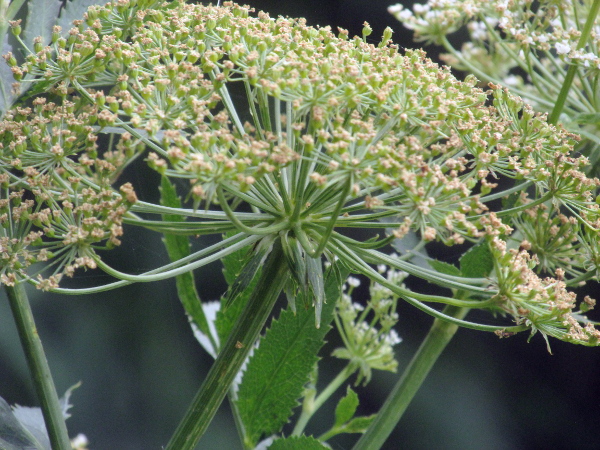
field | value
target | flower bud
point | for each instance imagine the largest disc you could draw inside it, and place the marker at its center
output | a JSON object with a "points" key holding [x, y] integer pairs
{"points": [[366, 31], [387, 35], [15, 27]]}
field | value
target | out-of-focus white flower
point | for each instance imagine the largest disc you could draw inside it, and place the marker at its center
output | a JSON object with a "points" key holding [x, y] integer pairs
{"points": [[562, 48]]}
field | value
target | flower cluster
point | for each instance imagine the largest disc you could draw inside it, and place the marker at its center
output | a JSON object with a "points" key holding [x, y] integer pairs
{"points": [[314, 132], [508, 39], [543, 305], [369, 341], [543, 26], [552, 239], [51, 207]]}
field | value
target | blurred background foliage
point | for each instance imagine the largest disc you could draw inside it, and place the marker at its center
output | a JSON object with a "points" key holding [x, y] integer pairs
{"points": [[140, 366]]}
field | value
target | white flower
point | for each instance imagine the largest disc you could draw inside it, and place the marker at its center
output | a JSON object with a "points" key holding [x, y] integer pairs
{"points": [[556, 23], [511, 80], [353, 282], [478, 30], [563, 47], [491, 21], [394, 9], [420, 9], [404, 15], [392, 338], [358, 307], [80, 441], [585, 57]]}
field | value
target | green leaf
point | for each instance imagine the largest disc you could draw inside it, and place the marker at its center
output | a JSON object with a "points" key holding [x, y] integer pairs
{"points": [[297, 443], [587, 118], [13, 435], [233, 265], [314, 272], [41, 17], [444, 267], [74, 10], [346, 407], [510, 201], [357, 425], [179, 247], [23, 427], [477, 262], [294, 256], [248, 272], [282, 365]]}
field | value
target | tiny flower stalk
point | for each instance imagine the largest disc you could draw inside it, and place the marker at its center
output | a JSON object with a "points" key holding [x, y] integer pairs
{"points": [[299, 145]]}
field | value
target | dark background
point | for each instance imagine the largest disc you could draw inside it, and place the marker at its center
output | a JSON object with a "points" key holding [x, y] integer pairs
{"points": [[140, 365]]}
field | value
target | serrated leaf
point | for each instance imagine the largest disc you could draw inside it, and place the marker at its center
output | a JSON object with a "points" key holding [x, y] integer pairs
{"points": [[297, 443], [13, 435], [346, 407], [444, 267], [209, 342], [74, 10], [179, 247], [282, 365], [42, 15], [24, 428], [357, 425], [477, 262]]}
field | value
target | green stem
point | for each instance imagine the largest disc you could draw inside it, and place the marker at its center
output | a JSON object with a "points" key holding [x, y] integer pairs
{"points": [[439, 335], [564, 92], [233, 353], [38, 366], [313, 407]]}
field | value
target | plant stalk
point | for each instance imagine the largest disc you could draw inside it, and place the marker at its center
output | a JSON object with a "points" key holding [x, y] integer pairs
{"points": [[308, 412], [439, 335], [38, 367], [233, 353]]}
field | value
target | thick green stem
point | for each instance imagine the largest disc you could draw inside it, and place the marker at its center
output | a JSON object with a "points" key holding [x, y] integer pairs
{"points": [[440, 334], [38, 366], [564, 92], [233, 353]]}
